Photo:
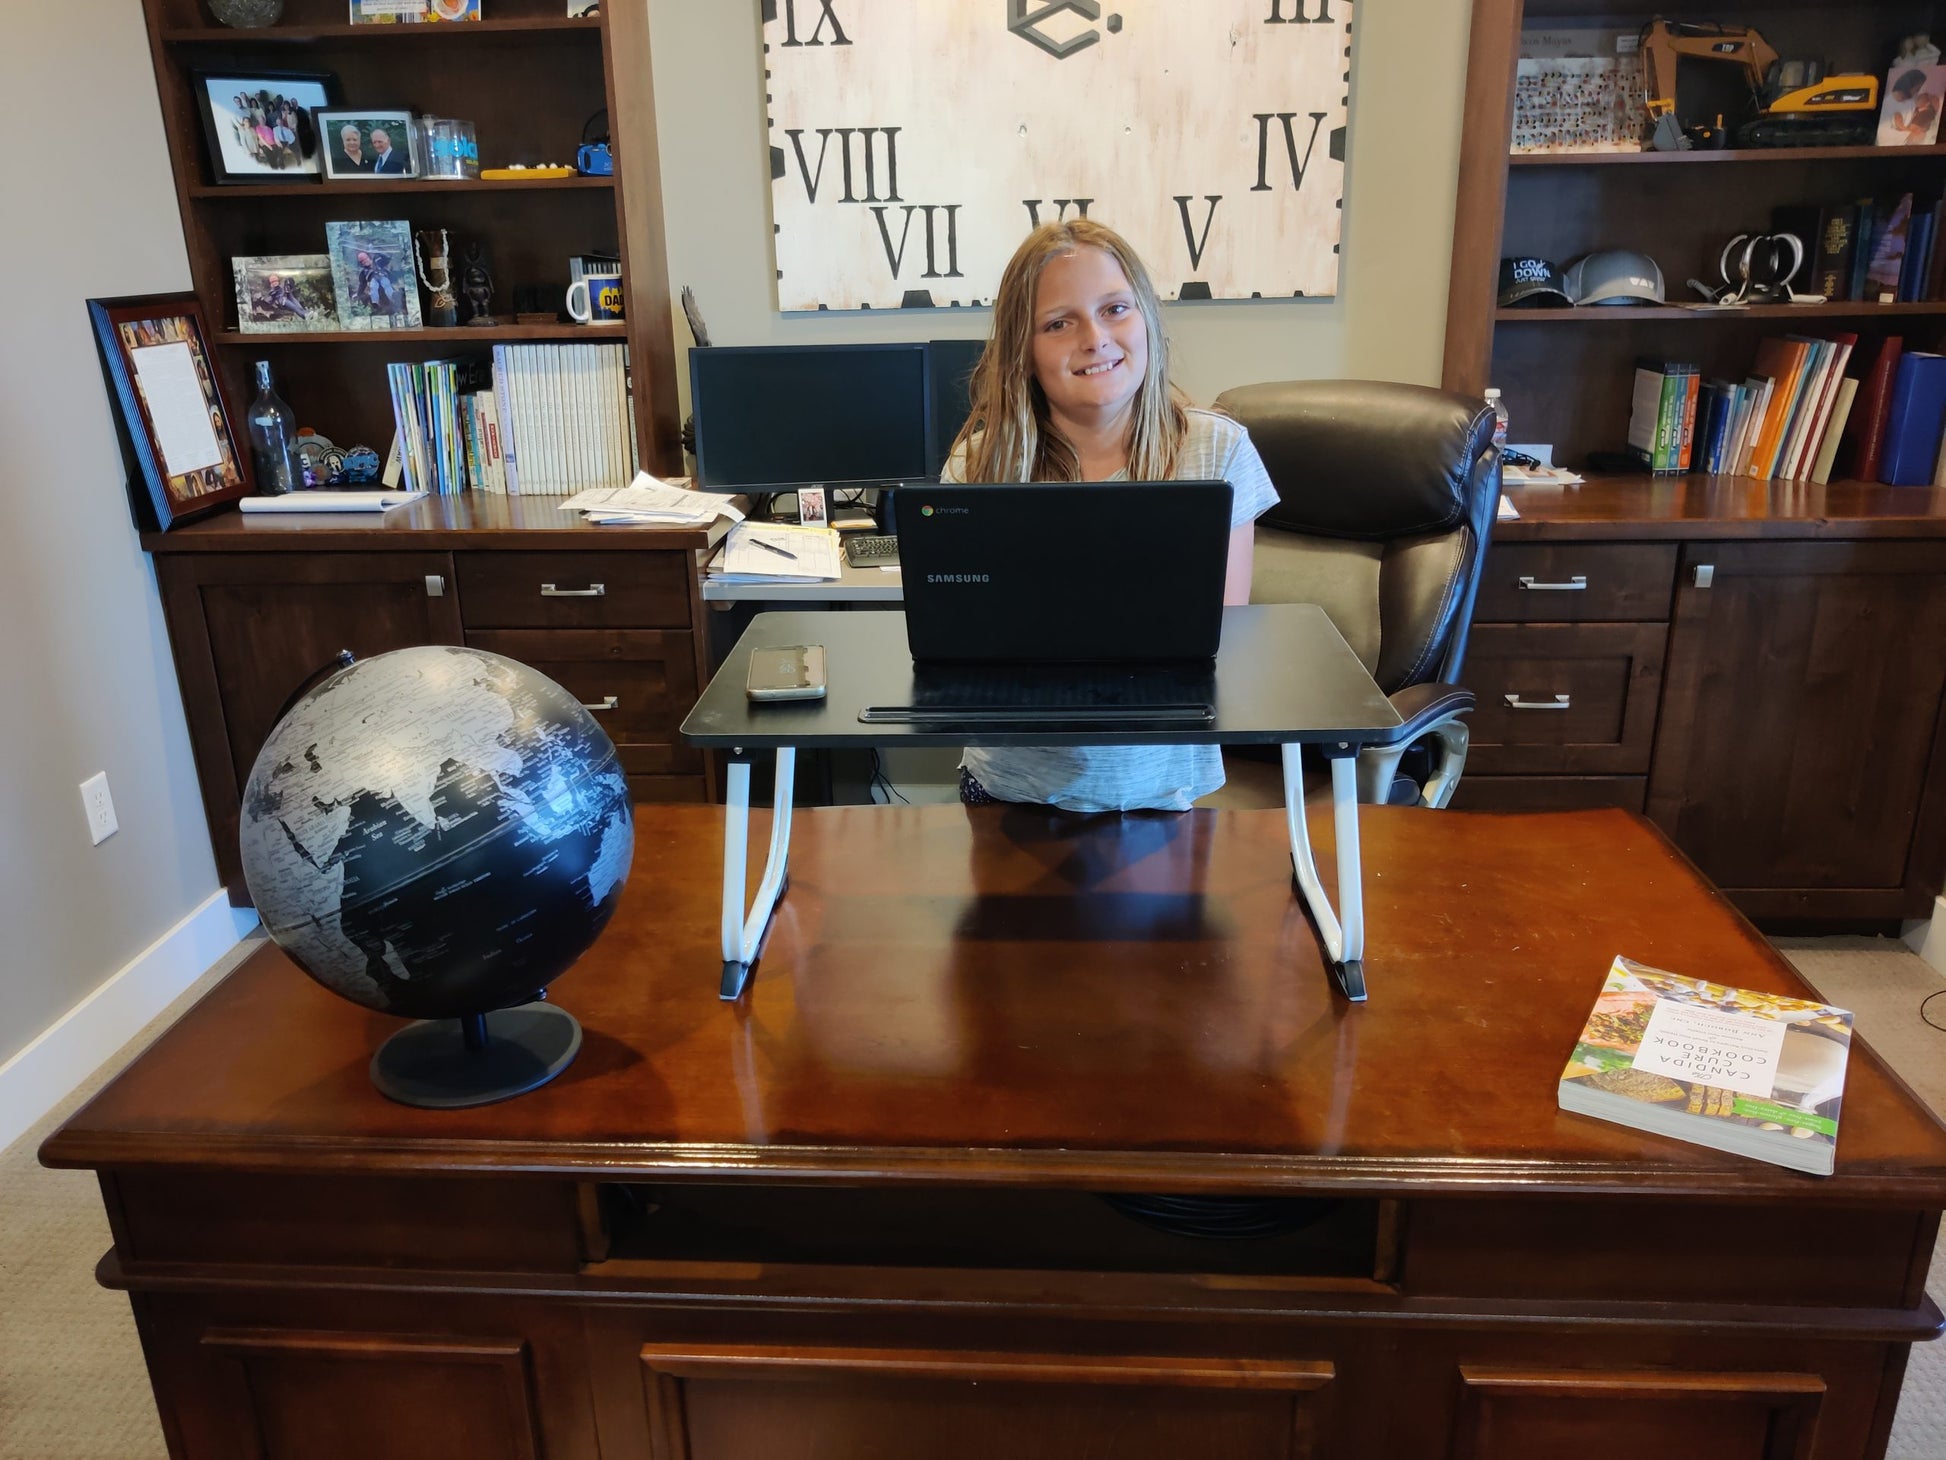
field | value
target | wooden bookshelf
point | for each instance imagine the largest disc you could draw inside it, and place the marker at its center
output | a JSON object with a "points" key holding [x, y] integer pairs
{"points": [[529, 79], [1566, 374]]}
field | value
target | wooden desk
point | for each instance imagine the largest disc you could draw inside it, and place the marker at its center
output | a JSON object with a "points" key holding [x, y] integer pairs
{"points": [[852, 1216]]}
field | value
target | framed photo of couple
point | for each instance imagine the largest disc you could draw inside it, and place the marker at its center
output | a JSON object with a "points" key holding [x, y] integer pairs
{"points": [[366, 143], [178, 438]]}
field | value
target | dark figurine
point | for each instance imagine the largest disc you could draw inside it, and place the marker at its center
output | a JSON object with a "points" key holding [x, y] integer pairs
{"points": [[477, 284]]}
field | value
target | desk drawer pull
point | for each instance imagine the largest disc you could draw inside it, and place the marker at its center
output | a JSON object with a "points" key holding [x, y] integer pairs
{"points": [[593, 590], [1577, 584], [1515, 702], [606, 702]]}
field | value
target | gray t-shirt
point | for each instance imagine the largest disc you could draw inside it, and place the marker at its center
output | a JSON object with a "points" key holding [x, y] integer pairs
{"points": [[1134, 777]]}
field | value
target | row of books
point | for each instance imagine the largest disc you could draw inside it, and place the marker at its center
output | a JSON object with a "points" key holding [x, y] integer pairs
{"points": [[1882, 250], [544, 420], [1807, 408]]}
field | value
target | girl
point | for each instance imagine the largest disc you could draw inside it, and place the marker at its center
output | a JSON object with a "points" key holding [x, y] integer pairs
{"points": [[1074, 386]]}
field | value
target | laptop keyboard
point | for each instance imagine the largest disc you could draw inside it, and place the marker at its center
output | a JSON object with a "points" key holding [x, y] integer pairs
{"points": [[976, 695], [872, 549]]}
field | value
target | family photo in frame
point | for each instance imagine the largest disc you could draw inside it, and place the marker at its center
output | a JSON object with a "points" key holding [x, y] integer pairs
{"points": [[259, 124], [284, 293], [183, 452]]}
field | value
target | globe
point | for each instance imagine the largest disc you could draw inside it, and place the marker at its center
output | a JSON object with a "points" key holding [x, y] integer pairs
{"points": [[439, 833]]}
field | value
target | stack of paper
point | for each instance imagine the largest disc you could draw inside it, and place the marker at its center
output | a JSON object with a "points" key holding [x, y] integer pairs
{"points": [[649, 501], [777, 552]]}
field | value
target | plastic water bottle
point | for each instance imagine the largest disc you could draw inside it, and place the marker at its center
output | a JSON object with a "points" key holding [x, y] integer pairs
{"points": [[1499, 419]]}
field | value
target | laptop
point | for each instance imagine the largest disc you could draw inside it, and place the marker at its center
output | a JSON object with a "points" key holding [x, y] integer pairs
{"points": [[1062, 603]]}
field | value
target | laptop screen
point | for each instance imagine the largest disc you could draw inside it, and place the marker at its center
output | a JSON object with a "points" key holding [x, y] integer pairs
{"points": [[1064, 572]]}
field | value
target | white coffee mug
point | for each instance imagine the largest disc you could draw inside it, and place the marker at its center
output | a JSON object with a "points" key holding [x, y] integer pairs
{"points": [[595, 296]]}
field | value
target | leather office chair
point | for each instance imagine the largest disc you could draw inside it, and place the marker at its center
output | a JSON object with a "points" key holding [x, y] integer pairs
{"points": [[1388, 493]]}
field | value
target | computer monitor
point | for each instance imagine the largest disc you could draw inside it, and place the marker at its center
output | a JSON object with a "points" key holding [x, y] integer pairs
{"points": [[771, 418], [949, 366]]}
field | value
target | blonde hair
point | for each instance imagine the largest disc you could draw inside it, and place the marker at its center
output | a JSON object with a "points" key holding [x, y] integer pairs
{"points": [[1009, 435]]}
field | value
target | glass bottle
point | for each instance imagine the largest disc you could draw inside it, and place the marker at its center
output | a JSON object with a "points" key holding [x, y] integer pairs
{"points": [[273, 439], [1499, 418]]}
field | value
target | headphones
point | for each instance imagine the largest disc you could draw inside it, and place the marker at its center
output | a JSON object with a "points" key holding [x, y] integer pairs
{"points": [[1758, 267]]}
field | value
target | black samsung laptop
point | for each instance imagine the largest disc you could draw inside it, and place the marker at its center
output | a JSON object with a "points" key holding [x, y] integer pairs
{"points": [[1048, 602]]}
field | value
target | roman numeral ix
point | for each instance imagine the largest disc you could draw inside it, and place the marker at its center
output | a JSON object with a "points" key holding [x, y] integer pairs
{"points": [[827, 13]]}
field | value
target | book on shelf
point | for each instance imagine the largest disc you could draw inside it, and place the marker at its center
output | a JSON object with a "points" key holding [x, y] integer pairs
{"points": [[1840, 413], [1662, 413], [1750, 1073], [1914, 421], [1837, 240], [1888, 253], [1859, 457]]}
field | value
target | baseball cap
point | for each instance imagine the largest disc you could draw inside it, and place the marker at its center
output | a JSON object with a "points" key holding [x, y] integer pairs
{"points": [[1529, 283], [1615, 276]]}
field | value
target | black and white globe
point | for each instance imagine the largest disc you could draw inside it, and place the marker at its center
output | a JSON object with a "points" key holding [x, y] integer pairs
{"points": [[436, 832]]}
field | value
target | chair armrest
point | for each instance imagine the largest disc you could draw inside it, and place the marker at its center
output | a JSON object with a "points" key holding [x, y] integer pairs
{"points": [[1423, 706]]}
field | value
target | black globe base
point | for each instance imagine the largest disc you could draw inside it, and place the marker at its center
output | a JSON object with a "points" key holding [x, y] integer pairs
{"points": [[447, 1064]]}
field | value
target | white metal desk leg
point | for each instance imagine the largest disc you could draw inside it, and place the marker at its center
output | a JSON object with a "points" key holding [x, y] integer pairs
{"points": [[743, 933], [1344, 942]]}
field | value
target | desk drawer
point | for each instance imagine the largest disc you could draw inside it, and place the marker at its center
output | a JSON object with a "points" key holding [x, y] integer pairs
{"points": [[1575, 582], [1578, 699], [637, 683], [621, 590]]}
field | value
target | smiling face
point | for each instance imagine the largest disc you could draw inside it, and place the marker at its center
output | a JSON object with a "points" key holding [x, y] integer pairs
{"points": [[381, 143], [1091, 345]]}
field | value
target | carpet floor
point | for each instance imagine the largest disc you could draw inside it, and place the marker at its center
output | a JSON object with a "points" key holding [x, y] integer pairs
{"points": [[73, 1385]]}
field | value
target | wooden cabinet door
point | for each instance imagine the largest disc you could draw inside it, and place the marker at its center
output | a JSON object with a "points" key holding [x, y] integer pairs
{"points": [[1799, 760], [249, 628]]}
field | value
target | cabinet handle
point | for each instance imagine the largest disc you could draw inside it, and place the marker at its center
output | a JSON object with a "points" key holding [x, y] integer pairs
{"points": [[607, 702], [593, 590], [1577, 584], [1515, 702], [435, 585]]}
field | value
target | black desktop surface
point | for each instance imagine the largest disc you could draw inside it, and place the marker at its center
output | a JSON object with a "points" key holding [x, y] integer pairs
{"points": [[1284, 675]]}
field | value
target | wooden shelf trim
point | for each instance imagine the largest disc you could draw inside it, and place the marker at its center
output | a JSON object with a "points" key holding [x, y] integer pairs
{"points": [[200, 35], [236, 192], [606, 330], [1621, 314], [1744, 154]]}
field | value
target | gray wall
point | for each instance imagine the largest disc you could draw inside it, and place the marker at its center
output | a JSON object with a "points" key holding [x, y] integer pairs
{"points": [[85, 678], [86, 682], [1388, 321]]}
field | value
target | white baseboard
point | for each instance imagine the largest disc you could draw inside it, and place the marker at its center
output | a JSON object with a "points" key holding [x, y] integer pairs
{"points": [[1928, 939], [74, 1046]]}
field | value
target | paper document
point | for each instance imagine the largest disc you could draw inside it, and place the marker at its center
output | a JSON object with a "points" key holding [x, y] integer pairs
{"points": [[777, 552], [1506, 512], [320, 500], [648, 500], [1539, 476], [179, 411]]}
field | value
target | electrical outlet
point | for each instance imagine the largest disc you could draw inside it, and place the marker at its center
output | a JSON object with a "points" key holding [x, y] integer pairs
{"points": [[100, 807]]}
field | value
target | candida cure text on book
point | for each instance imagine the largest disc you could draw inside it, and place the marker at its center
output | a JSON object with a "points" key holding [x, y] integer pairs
{"points": [[1751, 1073]]}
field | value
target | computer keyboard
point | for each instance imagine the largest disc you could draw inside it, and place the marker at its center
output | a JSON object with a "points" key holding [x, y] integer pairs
{"points": [[872, 549]]}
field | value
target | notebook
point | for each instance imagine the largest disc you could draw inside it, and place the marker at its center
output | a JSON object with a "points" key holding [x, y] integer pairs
{"points": [[319, 499]]}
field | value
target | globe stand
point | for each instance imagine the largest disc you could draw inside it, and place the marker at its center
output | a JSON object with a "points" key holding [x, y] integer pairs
{"points": [[476, 1059]]}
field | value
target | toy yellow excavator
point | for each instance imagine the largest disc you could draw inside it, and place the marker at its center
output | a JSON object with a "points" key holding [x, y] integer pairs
{"points": [[1757, 99]]}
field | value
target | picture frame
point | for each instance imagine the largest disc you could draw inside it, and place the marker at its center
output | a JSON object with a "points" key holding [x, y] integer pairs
{"points": [[284, 293], [258, 123], [365, 142], [184, 455], [412, 12], [1910, 105], [373, 276]]}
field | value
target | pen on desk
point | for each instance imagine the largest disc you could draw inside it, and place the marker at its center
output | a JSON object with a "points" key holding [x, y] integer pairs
{"points": [[781, 552]]}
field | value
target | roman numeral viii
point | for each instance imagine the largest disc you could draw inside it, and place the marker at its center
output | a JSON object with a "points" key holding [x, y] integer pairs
{"points": [[1290, 147], [869, 138]]}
